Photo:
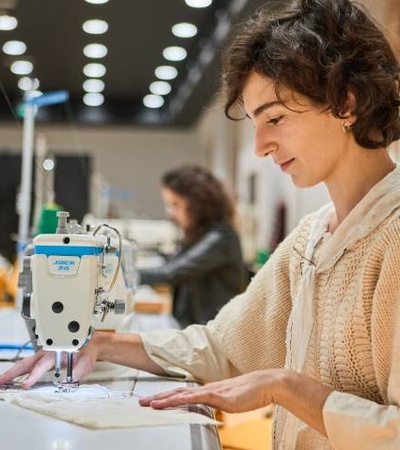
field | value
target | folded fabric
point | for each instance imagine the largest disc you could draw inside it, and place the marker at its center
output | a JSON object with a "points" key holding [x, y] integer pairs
{"points": [[95, 407]]}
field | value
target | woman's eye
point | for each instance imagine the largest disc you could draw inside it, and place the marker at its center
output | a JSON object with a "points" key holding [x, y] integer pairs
{"points": [[275, 120]]}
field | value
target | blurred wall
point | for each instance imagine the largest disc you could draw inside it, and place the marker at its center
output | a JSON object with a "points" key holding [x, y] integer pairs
{"points": [[128, 161]]}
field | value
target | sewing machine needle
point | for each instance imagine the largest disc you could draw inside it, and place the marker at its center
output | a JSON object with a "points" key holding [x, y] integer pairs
{"points": [[57, 371], [69, 385], [70, 359]]}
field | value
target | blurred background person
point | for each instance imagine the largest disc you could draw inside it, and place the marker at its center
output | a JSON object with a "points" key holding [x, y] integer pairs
{"points": [[208, 268]]}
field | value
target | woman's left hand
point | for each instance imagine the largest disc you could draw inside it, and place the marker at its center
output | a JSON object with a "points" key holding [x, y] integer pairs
{"points": [[244, 393]]}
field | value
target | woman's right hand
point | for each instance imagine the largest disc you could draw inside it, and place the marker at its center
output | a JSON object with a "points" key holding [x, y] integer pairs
{"points": [[37, 365]]}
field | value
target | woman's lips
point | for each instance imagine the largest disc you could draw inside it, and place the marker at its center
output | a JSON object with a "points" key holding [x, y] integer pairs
{"points": [[285, 165]]}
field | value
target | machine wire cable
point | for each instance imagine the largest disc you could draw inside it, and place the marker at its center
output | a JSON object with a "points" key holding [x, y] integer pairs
{"points": [[104, 225]]}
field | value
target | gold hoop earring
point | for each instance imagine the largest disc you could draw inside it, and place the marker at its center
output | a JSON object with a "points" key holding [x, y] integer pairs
{"points": [[346, 127]]}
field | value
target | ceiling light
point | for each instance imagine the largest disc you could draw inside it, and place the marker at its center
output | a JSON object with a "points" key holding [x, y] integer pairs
{"points": [[198, 3], [26, 83], [184, 30], [95, 26], [93, 99], [93, 85], [95, 51], [8, 22], [153, 101], [21, 67], [48, 164], [94, 70], [97, 2], [166, 72], [160, 88], [14, 48], [174, 53]]}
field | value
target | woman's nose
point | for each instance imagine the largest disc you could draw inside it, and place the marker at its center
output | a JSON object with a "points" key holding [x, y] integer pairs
{"points": [[263, 146]]}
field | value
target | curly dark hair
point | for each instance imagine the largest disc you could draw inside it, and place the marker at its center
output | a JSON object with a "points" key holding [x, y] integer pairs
{"points": [[321, 49], [208, 200]]}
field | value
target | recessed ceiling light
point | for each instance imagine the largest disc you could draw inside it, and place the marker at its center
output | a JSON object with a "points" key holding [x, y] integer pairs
{"points": [[153, 101], [14, 48], [93, 99], [95, 26], [48, 164], [26, 83], [160, 88], [21, 67], [93, 85], [166, 72], [8, 23], [198, 3], [94, 70], [95, 51], [184, 30], [97, 2], [174, 53]]}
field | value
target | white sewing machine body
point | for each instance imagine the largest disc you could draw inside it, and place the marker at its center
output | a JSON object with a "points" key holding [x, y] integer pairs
{"points": [[66, 276], [73, 280]]}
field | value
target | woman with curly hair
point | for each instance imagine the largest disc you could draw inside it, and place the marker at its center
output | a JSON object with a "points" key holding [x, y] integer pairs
{"points": [[208, 270]]}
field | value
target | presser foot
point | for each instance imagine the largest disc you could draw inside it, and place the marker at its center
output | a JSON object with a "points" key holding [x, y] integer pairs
{"points": [[67, 386]]}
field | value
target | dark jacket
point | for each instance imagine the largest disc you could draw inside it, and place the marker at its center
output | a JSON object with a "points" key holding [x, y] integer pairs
{"points": [[204, 276]]}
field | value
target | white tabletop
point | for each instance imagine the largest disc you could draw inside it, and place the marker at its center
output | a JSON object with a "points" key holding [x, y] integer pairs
{"points": [[22, 429]]}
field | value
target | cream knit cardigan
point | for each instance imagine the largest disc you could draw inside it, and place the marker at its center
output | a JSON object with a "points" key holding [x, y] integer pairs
{"points": [[344, 290]]}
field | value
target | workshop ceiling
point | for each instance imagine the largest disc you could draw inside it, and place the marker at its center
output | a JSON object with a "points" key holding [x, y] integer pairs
{"points": [[138, 33]]}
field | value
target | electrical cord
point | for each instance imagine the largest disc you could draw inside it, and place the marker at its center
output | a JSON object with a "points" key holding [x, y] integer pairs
{"points": [[19, 348]]}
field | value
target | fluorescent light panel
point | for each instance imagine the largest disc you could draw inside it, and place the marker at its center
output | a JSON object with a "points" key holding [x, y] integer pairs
{"points": [[153, 101], [174, 53], [160, 88], [97, 2], [26, 83], [95, 26], [166, 72], [21, 67], [95, 50], [93, 99], [14, 48], [94, 70], [184, 30], [8, 23], [198, 3], [93, 85]]}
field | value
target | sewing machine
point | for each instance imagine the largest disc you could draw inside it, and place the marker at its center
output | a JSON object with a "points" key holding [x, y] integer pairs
{"points": [[71, 281]]}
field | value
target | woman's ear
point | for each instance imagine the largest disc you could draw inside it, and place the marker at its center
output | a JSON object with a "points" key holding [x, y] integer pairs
{"points": [[349, 108]]}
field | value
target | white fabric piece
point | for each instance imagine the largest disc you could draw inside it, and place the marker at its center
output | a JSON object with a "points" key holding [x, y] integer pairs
{"points": [[300, 322], [301, 319], [96, 407]]}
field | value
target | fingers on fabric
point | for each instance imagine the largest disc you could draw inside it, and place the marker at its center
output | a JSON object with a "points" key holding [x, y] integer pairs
{"points": [[20, 368], [44, 363], [181, 396]]}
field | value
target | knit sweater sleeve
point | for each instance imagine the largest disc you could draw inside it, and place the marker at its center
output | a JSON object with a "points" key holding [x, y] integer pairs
{"points": [[365, 424], [252, 327], [247, 334]]}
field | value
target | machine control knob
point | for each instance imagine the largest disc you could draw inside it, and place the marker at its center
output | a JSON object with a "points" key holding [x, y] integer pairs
{"points": [[119, 307], [62, 225]]}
